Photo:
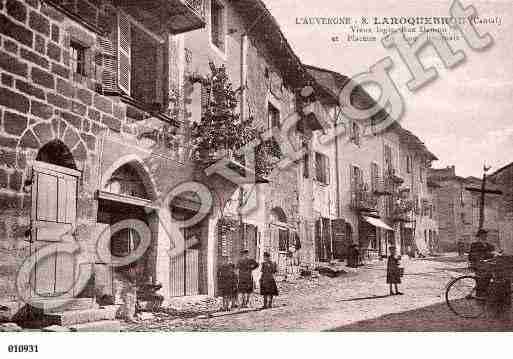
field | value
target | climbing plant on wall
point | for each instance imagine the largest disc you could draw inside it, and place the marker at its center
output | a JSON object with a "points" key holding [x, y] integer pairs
{"points": [[221, 130]]}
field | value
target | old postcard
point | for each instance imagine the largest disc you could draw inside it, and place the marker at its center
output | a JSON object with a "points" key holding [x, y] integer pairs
{"points": [[255, 165]]}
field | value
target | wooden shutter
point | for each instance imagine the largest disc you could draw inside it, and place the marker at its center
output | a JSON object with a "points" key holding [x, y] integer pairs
{"points": [[123, 53], [109, 75], [328, 171], [205, 98]]}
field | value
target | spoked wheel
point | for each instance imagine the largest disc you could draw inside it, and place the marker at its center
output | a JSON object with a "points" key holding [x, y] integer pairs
{"points": [[461, 298]]}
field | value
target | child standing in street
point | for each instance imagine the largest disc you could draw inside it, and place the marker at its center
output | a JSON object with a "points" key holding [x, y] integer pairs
{"points": [[393, 271], [227, 283], [268, 287]]}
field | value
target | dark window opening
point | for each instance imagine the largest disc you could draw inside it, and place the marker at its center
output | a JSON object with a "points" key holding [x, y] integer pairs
{"points": [[146, 68], [217, 24], [321, 168], [306, 160], [274, 116], [56, 153], [355, 134], [283, 243], [78, 58]]}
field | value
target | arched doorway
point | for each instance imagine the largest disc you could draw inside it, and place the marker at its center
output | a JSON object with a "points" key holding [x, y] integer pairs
{"points": [[125, 196], [53, 219]]}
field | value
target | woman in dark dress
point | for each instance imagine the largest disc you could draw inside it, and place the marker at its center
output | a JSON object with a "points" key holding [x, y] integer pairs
{"points": [[268, 287], [393, 272], [227, 283], [245, 267]]}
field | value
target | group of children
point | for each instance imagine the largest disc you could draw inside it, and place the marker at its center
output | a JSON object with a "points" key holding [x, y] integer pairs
{"points": [[238, 279]]}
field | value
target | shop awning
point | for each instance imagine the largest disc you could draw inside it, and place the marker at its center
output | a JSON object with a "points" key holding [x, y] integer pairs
{"points": [[376, 222]]}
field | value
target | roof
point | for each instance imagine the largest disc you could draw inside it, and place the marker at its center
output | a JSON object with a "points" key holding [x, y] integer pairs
{"points": [[501, 169], [261, 23], [334, 82]]}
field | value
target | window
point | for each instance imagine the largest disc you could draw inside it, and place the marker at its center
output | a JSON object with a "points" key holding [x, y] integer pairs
{"points": [[355, 133], [78, 58], [463, 219], [374, 177], [322, 168], [306, 160], [217, 31], [133, 63], [408, 164], [273, 116], [283, 242], [388, 157], [356, 176], [146, 67]]}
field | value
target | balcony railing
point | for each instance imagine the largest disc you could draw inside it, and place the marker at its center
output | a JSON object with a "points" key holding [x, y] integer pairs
{"points": [[362, 199], [382, 187], [392, 175], [197, 5], [402, 210]]}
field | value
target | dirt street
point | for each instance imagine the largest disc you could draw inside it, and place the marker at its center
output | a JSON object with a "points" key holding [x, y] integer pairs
{"points": [[357, 301]]}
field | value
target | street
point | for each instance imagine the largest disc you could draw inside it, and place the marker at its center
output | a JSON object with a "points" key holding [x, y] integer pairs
{"points": [[356, 301]]}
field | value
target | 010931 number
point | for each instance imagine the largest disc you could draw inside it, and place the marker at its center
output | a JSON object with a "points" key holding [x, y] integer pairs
{"points": [[22, 348]]}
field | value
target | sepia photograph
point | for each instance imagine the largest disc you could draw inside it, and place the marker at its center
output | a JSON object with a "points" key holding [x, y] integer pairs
{"points": [[254, 166]]}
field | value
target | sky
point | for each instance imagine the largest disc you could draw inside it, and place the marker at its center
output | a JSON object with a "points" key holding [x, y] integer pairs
{"points": [[463, 116]]}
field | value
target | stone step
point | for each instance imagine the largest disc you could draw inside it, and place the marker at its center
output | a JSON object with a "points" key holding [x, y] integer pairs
{"points": [[99, 326], [72, 317], [48, 306]]}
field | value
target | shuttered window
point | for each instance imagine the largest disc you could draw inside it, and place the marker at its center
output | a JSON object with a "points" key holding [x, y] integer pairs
{"points": [[108, 59], [133, 63], [322, 168], [124, 46]]}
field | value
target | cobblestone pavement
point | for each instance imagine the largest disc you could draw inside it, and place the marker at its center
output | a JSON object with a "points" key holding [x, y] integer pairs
{"points": [[357, 301]]}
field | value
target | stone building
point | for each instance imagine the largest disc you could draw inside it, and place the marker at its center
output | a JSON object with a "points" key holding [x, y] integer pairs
{"points": [[262, 66], [89, 138], [379, 180], [96, 98], [503, 179], [458, 208]]}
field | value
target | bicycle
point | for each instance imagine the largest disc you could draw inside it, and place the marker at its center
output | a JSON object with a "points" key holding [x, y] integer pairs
{"points": [[461, 294]]}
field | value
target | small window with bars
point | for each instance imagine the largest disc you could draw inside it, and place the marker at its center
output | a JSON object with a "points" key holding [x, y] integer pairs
{"points": [[78, 58]]}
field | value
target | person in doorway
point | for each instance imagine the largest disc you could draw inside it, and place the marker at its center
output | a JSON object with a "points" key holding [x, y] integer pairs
{"points": [[393, 271], [481, 250], [245, 266], [268, 287], [227, 283]]}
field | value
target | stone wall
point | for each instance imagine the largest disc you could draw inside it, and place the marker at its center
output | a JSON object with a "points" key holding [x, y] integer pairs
{"points": [[41, 100]]}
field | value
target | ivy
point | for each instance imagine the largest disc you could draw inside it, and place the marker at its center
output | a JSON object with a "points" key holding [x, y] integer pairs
{"points": [[221, 130]]}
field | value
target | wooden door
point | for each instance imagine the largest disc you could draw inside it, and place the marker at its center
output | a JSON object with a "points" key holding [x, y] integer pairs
{"points": [[53, 219], [340, 245]]}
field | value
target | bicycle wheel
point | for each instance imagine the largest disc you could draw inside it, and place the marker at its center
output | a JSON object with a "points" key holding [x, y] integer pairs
{"points": [[461, 298]]}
